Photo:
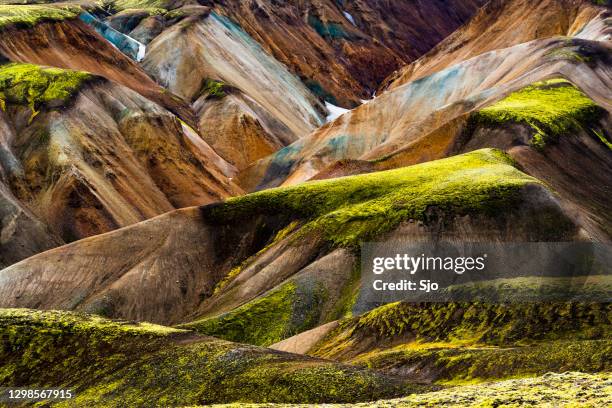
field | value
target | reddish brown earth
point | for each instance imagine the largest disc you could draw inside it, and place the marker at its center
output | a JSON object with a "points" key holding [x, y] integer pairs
{"points": [[350, 65], [500, 24], [72, 44], [108, 159]]}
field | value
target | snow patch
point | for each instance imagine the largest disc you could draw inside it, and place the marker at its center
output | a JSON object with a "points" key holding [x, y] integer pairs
{"points": [[349, 18], [334, 111], [142, 50]]}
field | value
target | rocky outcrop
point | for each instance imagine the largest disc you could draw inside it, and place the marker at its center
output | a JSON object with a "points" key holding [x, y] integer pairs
{"points": [[88, 156], [237, 127], [185, 57], [340, 50], [343, 49]]}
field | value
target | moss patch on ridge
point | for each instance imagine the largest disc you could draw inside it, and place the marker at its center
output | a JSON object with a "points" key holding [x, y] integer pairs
{"points": [[553, 108], [35, 86], [268, 319], [457, 343], [452, 364], [121, 5], [48, 343], [495, 324], [214, 89], [262, 321], [30, 15], [548, 391], [351, 209], [117, 364]]}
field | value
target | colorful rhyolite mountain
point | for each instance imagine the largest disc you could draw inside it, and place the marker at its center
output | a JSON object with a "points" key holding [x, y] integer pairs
{"points": [[195, 164]]}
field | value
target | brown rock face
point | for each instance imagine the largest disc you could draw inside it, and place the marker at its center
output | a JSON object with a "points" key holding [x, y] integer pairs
{"points": [[500, 24], [238, 128], [109, 159], [342, 59]]}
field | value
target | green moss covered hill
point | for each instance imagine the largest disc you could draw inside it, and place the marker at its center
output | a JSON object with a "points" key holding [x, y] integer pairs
{"points": [[553, 109], [119, 364], [37, 87], [346, 211], [471, 342], [30, 15], [349, 210], [548, 391]]}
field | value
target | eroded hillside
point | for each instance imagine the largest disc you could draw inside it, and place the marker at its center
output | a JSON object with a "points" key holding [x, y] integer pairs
{"points": [[216, 167]]}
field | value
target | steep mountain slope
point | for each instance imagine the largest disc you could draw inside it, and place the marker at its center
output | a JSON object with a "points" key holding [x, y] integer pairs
{"points": [[126, 364], [22, 234], [341, 50], [501, 24], [87, 155], [292, 263], [432, 117], [199, 49], [64, 41], [400, 117]]}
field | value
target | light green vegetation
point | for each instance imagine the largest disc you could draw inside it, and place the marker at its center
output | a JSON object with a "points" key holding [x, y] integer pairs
{"points": [[348, 210], [275, 316], [214, 89], [487, 323], [30, 15], [177, 13], [263, 321], [571, 389], [35, 86], [454, 364], [603, 138], [121, 5], [454, 343], [151, 11], [116, 364], [552, 108], [596, 288]]}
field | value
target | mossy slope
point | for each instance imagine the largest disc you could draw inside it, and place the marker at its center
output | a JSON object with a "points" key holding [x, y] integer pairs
{"points": [[346, 211], [35, 86], [352, 209], [115, 364], [275, 316], [30, 15], [571, 389], [553, 108], [452, 364], [472, 342]]}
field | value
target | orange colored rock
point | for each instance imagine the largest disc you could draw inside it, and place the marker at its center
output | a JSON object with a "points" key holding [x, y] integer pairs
{"points": [[110, 159]]}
